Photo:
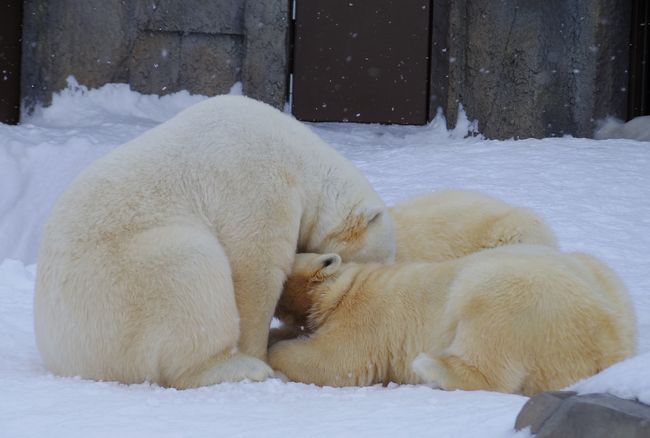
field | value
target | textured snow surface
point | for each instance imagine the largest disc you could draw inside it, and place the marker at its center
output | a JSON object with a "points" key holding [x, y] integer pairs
{"points": [[595, 194]]}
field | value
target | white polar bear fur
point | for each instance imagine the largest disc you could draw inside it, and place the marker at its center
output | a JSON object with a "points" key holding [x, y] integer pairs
{"points": [[453, 223], [516, 319], [164, 260]]}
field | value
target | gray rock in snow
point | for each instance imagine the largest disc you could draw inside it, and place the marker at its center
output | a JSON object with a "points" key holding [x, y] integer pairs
{"points": [[566, 414], [538, 409]]}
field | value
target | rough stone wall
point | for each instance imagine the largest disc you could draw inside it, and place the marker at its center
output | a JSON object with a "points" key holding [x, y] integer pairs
{"points": [[159, 46], [526, 68]]}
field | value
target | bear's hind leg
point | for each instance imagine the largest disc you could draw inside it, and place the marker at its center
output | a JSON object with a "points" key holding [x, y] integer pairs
{"points": [[321, 360], [454, 372], [451, 372], [227, 367], [473, 362], [187, 315], [448, 372]]}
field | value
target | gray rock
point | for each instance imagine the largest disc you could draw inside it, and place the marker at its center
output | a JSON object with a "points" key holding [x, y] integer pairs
{"points": [[560, 415], [539, 409]]}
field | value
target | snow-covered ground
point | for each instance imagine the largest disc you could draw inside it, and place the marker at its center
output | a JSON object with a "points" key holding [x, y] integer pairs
{"points": [[595, 194]]}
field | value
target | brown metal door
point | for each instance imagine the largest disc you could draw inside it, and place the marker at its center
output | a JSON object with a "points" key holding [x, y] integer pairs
{"points": [[361, 60], [11, 15], [639, 94]]}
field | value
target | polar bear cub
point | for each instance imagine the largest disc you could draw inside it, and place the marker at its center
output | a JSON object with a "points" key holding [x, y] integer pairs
{"points": [[440, 226], [516, 319], [164, 260], [452, 223]]}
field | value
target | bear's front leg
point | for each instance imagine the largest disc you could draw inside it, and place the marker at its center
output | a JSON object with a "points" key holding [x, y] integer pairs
{"points": [[257, 295], [301, 360], [285, 332], [322, 361]]}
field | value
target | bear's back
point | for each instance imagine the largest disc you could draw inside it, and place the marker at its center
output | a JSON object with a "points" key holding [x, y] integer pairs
{"points": [[545, 309]]}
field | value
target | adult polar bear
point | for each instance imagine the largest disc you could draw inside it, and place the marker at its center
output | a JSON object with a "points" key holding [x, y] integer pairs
{"points": [[164, 260]]}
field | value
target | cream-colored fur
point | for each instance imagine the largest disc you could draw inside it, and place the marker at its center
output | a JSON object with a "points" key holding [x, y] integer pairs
{"points": [[517, 319], [164, 260], [453, 223], [444, 225]]}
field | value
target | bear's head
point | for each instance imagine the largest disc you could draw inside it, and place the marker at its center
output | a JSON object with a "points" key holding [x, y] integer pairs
{"points": [[365, 235], [305, 293]]}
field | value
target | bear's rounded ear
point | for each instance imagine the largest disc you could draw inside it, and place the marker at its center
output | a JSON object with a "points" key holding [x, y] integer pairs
{"points": [[328, 263], [371, 215]]}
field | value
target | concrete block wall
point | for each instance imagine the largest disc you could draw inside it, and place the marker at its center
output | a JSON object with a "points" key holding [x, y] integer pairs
{"points": [[159, 46]]}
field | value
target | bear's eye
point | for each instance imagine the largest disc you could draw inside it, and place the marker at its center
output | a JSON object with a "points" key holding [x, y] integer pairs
{"points": [[374, 218], [328, 262]]}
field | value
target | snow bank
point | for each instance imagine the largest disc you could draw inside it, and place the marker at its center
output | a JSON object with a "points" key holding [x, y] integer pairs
{"points": [[40, 157], [627, 379], [635, 129], [77, 106]]}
